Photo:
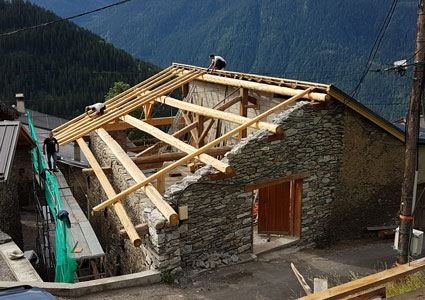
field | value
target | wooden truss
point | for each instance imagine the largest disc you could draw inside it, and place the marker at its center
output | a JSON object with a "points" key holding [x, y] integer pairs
{"points": [[196, 121]]}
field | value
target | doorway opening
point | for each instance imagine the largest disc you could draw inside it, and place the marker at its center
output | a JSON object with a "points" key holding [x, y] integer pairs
{"points": [[276, 213]]}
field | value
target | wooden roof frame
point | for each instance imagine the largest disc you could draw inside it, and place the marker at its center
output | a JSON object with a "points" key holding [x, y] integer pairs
{"points": [[155, 90]]}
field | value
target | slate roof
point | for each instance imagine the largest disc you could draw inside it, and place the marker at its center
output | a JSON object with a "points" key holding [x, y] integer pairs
{"points": [[11, 133]]}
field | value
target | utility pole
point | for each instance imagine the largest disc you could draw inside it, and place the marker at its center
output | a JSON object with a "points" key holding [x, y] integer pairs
{"points": [[412, 132]]}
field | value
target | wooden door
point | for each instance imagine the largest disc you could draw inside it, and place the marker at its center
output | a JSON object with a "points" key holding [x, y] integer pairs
{"points": [[274, 209]]}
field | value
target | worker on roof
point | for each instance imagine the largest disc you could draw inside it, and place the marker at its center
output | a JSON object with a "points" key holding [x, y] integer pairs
{"points": [[217, 62], [98, 107]]}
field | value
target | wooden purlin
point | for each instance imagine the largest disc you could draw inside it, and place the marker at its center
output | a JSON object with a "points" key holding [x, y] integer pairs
{"points": [[205, 158], [200, 151], [84, 127], [118, 101], [166, 210], [109, 190], [56, 130], [215, 113]]}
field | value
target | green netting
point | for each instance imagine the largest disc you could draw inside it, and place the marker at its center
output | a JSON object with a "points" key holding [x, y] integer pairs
{"points": [[65, 261]]}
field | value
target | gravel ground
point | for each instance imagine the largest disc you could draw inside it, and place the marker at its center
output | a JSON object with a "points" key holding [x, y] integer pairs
{"points": [[270, 277]]}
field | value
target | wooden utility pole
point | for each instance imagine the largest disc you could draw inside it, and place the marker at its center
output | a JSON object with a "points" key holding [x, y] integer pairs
{"points": [[412, 132]]}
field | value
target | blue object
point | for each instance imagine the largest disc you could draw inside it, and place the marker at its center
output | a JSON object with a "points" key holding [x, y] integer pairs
{"points": [[25, 292]]}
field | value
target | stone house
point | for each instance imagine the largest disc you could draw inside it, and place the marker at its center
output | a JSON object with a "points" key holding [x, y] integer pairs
{"points": [[335, 170], [15, 176]]}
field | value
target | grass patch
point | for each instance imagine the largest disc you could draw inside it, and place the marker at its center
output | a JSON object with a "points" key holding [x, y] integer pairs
{"points": [[411, 283]]}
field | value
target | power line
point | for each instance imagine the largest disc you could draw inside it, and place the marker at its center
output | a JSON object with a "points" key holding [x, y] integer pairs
{"points": [[62, 19]]}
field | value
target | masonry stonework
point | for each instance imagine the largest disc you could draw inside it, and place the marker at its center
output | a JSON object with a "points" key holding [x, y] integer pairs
{"points": [[160, 248], [353, 169]]}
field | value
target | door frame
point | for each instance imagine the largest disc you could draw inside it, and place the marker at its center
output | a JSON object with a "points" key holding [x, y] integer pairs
{"points": [[295, 198]]}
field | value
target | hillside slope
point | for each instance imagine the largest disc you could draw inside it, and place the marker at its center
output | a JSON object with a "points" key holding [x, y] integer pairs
{"points": [[62, 67], [323, 41]]}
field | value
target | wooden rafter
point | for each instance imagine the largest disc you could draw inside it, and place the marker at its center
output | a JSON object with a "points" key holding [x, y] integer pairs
{"points": [[109, 190], [201, 150], [205, 158], [150, 191], [121, 107]]}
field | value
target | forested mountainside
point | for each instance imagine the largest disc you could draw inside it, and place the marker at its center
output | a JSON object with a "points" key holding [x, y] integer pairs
{"points": [[323, 41], [62, 67]]}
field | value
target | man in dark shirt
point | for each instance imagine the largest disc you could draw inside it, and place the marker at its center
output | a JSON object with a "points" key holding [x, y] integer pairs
{"points": [[52, 149]]}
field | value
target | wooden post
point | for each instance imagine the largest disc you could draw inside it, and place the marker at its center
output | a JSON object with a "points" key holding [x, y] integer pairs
{"points": [[160, 183], [77, 155], [185, 90], [243, 111], [412, 128]]}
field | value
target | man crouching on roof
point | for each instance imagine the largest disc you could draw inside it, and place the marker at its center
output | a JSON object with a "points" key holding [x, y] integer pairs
{"points": [[98, 107]]}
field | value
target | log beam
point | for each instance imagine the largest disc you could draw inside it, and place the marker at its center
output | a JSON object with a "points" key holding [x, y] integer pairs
{"points": [[260, 87], [205, 158], [218, 151], [150, 191], [109, 190], [214, 113], [201, 150], [142, 229]]}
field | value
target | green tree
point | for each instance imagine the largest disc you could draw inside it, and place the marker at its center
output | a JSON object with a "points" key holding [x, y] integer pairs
{"points": [[117, 89]]}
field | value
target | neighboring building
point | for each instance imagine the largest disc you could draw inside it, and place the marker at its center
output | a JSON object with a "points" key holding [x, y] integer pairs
{"points": [[336, 169], [15, 176]]}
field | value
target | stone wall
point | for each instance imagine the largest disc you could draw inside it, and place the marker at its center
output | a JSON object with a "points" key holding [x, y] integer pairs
{"points": [[16, 190], [371, 177], [210, 94], [160, 248], [219, 226]]}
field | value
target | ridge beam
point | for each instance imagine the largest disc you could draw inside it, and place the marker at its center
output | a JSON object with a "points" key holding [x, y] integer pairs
{"points": [[261, 87]]}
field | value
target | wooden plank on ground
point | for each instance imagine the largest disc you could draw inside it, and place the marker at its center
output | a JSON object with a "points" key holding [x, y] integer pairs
{"points": [[368, 282]]}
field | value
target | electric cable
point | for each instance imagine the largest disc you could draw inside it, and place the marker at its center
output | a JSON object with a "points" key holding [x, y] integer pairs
{"points": [[61, 19]]}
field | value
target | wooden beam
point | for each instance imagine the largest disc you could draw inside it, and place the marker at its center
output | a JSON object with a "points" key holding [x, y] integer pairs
{"points": [[368, 282], [127, 96], [213, 113], [141, 166], [142, 229], [206, 130], [201, 150], [109, 190], [90, 171], [63, 126], [150, 191], [205, 158], [126, 108], [267, 183], [137, 148], [163, 157], [243, 111], [260, 87]]}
